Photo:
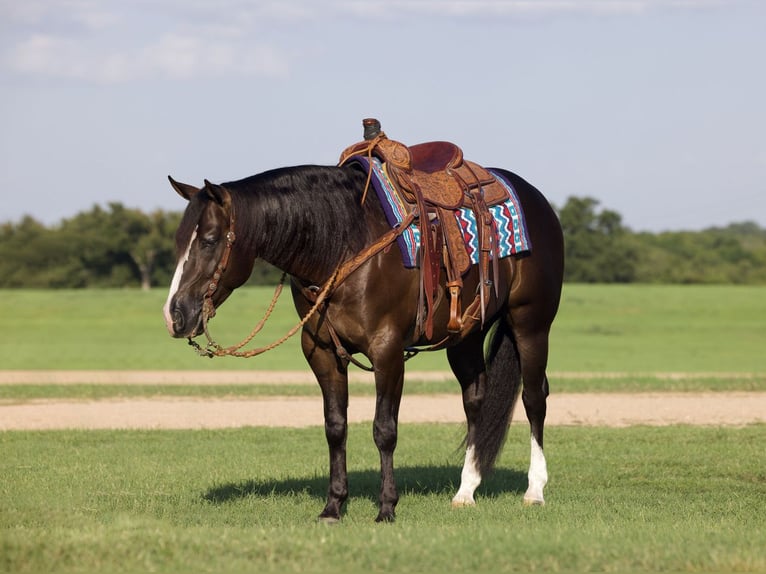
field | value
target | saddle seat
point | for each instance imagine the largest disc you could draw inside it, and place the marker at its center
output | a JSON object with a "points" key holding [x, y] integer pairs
{"points": [[435, 156], [435, 179]]}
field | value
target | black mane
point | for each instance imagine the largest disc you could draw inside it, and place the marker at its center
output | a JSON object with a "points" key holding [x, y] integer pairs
{"points": [[306, 218]]}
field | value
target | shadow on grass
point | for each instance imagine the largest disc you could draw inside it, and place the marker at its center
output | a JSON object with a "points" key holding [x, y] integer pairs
{"points": [[442, 480]]}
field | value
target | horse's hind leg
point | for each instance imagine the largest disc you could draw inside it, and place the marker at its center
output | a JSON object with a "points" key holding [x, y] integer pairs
{"points": [[467, 362], [532, 341]]}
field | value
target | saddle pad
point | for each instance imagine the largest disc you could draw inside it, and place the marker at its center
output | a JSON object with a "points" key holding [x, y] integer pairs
{"points": [[509, 217]]}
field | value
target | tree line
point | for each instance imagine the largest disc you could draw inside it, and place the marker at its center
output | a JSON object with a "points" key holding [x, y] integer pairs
{"points": [[115, 246]]}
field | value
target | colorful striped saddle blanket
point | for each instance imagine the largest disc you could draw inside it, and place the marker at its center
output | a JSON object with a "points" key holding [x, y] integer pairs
{"points": [[512, 237]]}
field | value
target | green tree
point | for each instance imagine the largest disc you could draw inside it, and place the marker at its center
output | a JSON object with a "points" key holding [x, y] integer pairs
{"points": [[118, 246], [714, 255], [598, 247], [32, 255]]}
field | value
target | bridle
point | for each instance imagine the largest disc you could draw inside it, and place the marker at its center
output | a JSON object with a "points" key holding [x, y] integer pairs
{"points": [[314, 293], [213, 349], [208, 308]]}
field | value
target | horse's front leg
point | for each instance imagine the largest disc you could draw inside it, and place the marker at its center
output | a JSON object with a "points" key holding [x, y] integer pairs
{"points": [[389, 381], [332, 375]]}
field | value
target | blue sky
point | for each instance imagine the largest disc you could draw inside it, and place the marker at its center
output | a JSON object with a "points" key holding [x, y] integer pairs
{"points": [[654, 107]]}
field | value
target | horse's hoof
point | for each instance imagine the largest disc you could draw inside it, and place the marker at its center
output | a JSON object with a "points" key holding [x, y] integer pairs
{"points": [[329, 520], [463, 502], [386, 518]]}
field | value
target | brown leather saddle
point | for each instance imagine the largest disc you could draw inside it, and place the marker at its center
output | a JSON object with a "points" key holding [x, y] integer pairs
{"points": [[435, 180]]}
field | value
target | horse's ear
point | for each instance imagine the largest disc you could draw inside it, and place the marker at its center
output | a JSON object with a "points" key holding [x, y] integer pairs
{"points": [[183, 189], [217, 193]]}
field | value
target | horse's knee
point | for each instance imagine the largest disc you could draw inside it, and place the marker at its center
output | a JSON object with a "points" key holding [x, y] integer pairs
{"points": [[335, 430], [385, 435]]}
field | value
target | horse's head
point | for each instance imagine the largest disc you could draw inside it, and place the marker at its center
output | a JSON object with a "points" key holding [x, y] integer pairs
{"points": [[209, 264]]}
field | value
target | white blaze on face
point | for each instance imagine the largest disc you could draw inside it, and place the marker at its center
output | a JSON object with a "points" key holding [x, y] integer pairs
{"points": [[176, 283]]}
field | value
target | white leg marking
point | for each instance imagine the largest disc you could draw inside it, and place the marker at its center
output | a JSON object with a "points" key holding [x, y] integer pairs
{"points": [[176, 283], [538, 475], [470, 478]]}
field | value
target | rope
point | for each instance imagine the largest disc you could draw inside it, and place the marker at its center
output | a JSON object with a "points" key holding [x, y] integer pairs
{"points": [[213, 349]]}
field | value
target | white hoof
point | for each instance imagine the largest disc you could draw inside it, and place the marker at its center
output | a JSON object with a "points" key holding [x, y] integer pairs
{"points": [[461, 501], [533, 500]]}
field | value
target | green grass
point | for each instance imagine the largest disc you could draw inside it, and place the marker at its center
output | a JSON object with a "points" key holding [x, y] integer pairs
{"points": [[560, 384], [638, 499], [642, 328], [632, 328]]}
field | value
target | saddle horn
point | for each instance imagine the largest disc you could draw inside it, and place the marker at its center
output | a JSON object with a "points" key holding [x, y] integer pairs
{"points": [[371, 128]]}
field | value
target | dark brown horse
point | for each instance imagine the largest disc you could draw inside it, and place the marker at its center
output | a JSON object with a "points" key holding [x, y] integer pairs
{"points": [[308, 220]]}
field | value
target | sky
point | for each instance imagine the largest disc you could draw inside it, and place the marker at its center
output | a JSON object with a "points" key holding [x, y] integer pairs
{"points": [[656, 108]]}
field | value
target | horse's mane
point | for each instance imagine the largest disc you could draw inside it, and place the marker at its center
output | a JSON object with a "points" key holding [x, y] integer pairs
{"points": [[308, 217]]}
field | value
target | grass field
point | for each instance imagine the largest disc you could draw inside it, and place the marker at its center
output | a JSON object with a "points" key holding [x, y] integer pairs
{"points": [[682, 499], [633, 328], [634, 499]]}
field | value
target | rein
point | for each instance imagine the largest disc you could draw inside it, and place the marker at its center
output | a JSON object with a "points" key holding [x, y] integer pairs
{"points": [[341, 273], [213, 349]]}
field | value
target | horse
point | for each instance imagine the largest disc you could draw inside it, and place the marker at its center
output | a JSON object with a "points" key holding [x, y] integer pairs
{"points": [[308, 221]]}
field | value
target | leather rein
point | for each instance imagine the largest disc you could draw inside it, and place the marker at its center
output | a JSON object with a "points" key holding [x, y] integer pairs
{"points": [[318, 294]]}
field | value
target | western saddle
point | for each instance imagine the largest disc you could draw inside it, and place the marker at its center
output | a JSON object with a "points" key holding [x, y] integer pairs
{"points": [[434, 180]]}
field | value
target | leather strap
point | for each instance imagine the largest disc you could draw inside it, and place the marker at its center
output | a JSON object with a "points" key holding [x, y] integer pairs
{"points": [[208, 308], [351, 265]]}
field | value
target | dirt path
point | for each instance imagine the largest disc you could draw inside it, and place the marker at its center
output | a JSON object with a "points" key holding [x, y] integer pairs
{"points": [[594, 409]]}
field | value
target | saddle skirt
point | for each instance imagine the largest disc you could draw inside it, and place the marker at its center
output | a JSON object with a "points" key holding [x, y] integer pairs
{"points": [[510, 225]]}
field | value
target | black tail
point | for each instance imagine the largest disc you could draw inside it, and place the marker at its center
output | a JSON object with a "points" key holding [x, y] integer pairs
{"points": [[501, 391]]}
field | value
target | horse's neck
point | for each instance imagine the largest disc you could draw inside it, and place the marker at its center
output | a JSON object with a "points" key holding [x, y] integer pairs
{"points": [[309, 228]]}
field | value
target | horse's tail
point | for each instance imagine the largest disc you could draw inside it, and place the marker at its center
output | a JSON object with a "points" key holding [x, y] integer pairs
{"points": [[501, 391]]}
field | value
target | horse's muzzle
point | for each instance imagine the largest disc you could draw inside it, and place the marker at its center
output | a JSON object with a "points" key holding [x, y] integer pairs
{"points": [[183, 322]]}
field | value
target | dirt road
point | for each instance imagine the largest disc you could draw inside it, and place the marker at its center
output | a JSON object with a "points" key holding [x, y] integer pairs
{"points": [[591, 409]]}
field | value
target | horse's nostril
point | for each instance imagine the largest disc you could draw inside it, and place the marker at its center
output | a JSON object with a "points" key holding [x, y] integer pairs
{"points": [[178, 320]]}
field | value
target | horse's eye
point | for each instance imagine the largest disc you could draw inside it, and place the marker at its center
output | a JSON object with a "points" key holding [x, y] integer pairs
{"points": [[208, 242]]}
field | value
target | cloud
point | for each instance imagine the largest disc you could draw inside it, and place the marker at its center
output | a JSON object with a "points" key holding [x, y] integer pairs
{"points": [[109, 41], [173, 55], [106, 41], [188, 56], [390, 9]]}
